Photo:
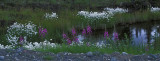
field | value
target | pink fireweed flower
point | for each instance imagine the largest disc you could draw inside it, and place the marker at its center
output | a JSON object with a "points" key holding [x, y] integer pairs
{"points": [[84, 32], [115, 35], [69, 41], [73, 32], [21, 39], [75, 39], [89, 29], [64, 36], [106, 34], [42, 32]]}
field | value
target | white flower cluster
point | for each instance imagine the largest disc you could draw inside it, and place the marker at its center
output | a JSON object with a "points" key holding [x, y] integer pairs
{"points": [[155, 9], [102, 15], [17, 29], [32, 46], [5, 47], [100, 44], [116, 10], [98, 15], [50, 16]]}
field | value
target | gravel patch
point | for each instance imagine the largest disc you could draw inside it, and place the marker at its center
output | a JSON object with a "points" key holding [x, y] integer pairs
{"points": [[29, 55]]}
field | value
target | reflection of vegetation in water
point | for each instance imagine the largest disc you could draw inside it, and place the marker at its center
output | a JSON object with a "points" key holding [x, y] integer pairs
{"points": [[156, 42]]}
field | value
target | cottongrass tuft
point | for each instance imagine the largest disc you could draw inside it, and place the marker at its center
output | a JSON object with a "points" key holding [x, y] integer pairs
{"points": [[17, 29], [107, 14], [155, 9], [51, 16]]}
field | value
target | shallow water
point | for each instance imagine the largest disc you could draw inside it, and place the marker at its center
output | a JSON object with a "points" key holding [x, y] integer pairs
{"points": [[140, 33]]}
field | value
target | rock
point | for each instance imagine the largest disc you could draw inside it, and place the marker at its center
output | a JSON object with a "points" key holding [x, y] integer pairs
{"points": [[137, 58], [153, 56], [89, 54], [19, 50], [113, 59], [7, 55], [1, 57], [115, 53], [124, 53], [16, 58], [96, 53]]}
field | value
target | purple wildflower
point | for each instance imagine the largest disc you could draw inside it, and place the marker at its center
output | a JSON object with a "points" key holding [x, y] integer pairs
{"points": [[64, 36], [73, 31], [42, 32], [84, 32], [69, 41], [21, 39], [88, 44], [89, 29], [106, 34], [115, 35], [75, 39]]}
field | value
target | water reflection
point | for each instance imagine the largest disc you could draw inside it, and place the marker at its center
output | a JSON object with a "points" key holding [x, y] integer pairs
{"points": [[140, 33]]}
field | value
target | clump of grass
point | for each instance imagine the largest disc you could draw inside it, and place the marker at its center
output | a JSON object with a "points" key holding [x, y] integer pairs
{"points": [[48, 57]]}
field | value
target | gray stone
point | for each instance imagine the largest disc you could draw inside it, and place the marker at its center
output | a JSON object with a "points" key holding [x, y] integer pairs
{"points": [[113, 59], [89, 54], [124, 53], [153, 56], [19, 50], [96, 53], [115, 53], [136, 58], [1, 57]]}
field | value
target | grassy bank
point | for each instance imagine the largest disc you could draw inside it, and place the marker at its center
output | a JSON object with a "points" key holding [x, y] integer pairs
{"points": [[68, 19], [118, 46]]}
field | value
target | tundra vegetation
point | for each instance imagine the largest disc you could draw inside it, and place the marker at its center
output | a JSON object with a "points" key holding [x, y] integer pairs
{"points": [[68, 25]]}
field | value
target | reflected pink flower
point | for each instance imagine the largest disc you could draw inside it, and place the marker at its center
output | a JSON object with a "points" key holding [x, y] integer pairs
{"points": [[73, 32], [106, 34], [84, 32], [89, 29]]}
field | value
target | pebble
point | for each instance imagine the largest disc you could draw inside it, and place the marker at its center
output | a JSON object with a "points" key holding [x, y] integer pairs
{"points": [[136, 58], [89, 54], [113, 59], [115, 53], [96, 53], [7, 55], [19, 50], [16, 59], [1, 57]]}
